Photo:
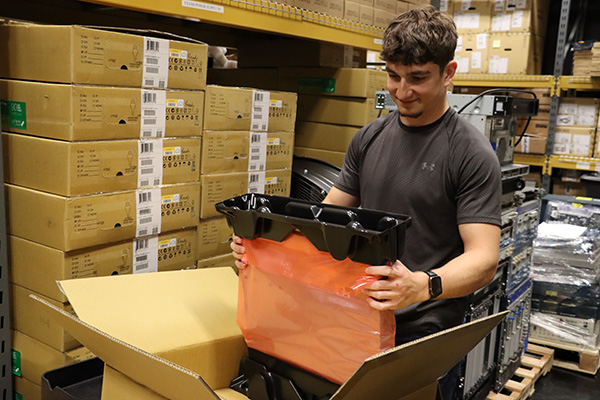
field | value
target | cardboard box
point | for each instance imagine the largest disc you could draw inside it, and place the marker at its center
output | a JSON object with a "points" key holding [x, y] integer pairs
{"points": [[112, 56], [531, 145], [332, 157], [71, 223], [261, 78], [335, 8], [334, 110], [26, 389], [30, 318], [574, 141], [543, 95], [367, 15], [520, 16], [287, 52], [569, 188], [79, 112], [577, 111], [214, 237], [38, 267], [447, 6], [472, 16], [515, 53], [382, 18], [206, 344], [385, 5], [219, 187], [350, 82], [237, 151], [538, 127], [223, 260], [352, 11], [76, 168], [32, 358], [402, 7], [369, 3], [324, 136], [243, 109], [472, 53]]}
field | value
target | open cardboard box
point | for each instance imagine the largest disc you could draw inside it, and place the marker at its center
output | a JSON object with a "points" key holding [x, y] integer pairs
{"points": [[173, 335]]}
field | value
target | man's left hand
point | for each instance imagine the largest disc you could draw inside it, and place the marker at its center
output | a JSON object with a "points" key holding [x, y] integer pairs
{"points": [[398, 288]]}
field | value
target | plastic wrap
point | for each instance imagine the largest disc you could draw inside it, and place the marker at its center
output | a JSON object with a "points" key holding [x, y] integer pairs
{"points": [[299, 304], [566, 253], [573, 213], [579, 332]]}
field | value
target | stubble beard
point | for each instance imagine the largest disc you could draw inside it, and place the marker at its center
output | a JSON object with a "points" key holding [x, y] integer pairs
{"points": [[411, 115]]}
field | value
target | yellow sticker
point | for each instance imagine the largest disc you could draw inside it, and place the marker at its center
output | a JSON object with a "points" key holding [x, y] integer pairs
{"points": [[163, 244], [273, 142], [170, 199], [175, 103], [170, 151], [275, 103], [551, 293], [584, 198], [496, 44], [577, 205], [271, 180], [176, 53]]}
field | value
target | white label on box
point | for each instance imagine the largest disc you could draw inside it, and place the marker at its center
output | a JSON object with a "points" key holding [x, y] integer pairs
{"points": [[498, 65], [582, 165], [348, 56], [257, 157], [587, 110], [459, 43], [148, 206], [476, 60], [156, 63], [585, 119], [562, 138], [565, 120], [465, 5], [466, 21], [444, 5], [154, 113], [525, 144], [260, 110], [463, 65], [272, 180], [256, 182], [482, 41], [561, 148], [517, 19], [150, 162], [581, 145], [501, 22], [521, 4], [567, 109], [499, 5], [203, 6], [145, 255]]}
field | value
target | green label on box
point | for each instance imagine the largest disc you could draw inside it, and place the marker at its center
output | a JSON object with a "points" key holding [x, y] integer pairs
{"points": [[14, 114], [18, 396], [16, 362], [316, 85]]}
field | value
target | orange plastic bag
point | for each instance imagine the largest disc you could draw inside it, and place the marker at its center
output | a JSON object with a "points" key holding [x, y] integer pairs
{"points": [[300, 305]]}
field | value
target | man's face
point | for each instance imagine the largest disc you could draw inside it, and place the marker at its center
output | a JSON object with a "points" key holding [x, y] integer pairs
{"points": [[419, 91]]}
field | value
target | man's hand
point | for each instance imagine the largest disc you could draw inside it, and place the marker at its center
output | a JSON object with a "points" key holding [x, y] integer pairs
{"points": [[398, 288], [238, 252]]}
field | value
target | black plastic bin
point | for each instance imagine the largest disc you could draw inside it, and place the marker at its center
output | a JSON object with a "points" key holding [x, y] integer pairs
{"points": [[79, 381], [365, 236]]}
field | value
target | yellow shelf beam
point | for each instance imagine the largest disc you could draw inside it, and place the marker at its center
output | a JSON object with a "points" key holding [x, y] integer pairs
{"points": [[579, 83], [538, 160], [571, 162], [261, 15], [500, 80]]}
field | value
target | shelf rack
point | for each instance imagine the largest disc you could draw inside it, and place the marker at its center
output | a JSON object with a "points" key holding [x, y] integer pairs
{"points": [[578, 83], [261, 15], [516, 81]]}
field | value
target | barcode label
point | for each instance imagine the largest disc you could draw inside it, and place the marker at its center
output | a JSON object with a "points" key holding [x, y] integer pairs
{"points": [[148, 211], [156, 63], [150, 170], [256, 182], [260, 110], [154, 113], [257, 151], [145, 255]]}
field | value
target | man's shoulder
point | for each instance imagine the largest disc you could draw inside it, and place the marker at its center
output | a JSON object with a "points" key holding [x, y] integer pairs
{"points": [[372, 129]]}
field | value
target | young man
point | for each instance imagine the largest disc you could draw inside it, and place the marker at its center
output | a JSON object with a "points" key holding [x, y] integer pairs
{"points": [[425, 161]]}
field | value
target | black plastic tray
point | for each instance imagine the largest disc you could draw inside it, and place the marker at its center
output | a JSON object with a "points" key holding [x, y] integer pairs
{"points": [[365, 236], [79, 381]]}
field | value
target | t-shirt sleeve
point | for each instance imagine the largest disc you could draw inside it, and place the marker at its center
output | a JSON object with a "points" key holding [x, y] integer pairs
{"points": [[349, 178], [479, 192]]}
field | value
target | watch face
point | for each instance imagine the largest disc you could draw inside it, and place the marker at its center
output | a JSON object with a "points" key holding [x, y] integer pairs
{"points": [[435, 286]]}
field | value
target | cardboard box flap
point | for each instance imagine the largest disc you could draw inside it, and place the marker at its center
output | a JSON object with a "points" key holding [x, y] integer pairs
{"points": [[391, 375], [201, 307], [145, 32], [163, 377]]}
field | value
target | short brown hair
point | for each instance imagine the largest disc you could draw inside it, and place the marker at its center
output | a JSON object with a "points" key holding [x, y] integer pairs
{"points": [[420, 36]]}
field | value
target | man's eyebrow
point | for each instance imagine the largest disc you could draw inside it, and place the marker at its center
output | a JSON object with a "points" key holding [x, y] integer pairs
{"points": [[391, 71], [420, 72]]}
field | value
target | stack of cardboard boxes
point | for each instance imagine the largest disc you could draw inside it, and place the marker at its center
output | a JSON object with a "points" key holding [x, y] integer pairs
{"points": [[247, 146], [500, 36], [102, 167]]}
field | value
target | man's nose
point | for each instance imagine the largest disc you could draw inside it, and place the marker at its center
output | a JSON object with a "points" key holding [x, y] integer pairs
{"points": [[403, 90]]}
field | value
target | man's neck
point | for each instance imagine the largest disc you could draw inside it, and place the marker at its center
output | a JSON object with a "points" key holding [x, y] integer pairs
{"points": [[426, 118]]}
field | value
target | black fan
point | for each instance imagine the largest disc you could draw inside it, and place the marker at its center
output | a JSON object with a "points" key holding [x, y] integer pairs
{"points": [[312, 179]]}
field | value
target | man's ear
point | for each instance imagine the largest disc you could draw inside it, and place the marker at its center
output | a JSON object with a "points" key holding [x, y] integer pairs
{"points": [[449, 72]]}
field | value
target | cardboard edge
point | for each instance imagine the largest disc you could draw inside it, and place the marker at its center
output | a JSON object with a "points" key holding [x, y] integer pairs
{"points": [[364, 368], [198, 387]]}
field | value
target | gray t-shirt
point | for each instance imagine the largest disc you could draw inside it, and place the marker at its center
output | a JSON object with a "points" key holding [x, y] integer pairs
{"points": [[442, 175]]}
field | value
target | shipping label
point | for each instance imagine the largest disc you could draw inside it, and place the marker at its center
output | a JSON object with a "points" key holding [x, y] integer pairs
{"points": [[156, 63], [148, 206], [145, 255], [154, 103]]}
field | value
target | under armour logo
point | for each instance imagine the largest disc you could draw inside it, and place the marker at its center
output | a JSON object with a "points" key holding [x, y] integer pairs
{"points": [[427, 166]]}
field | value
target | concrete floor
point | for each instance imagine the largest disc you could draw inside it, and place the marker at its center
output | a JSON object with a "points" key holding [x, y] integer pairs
{"points": [[562, 384]]}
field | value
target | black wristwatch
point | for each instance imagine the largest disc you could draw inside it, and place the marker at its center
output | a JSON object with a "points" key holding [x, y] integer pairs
{"points": [[435, 284]]}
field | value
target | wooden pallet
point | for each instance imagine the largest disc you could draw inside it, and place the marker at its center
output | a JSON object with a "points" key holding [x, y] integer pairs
{"points": [[535, 363], [573, 357]]}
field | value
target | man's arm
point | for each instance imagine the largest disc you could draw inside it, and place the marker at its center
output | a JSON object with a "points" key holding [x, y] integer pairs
{"points": [[463, 275], [341, 198]]}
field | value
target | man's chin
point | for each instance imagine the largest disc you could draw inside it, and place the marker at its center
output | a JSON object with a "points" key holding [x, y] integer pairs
{"points": [[411, 115]]}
